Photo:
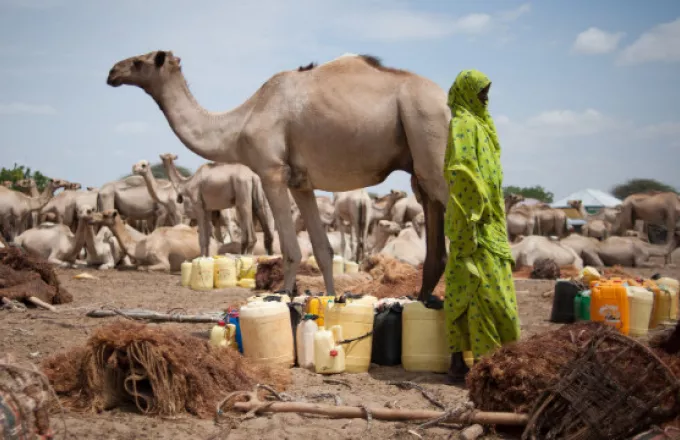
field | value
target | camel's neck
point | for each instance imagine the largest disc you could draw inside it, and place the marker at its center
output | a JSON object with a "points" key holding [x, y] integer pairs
{"points": [[173, 173], [78, 241], [90, 246], [127, 243], [213, 136], [152, 186], [36, 203], [381, 239], [382, 208]]}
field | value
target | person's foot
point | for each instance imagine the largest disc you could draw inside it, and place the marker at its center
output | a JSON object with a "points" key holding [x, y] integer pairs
{"points": [[434, 303], [458, 370]]}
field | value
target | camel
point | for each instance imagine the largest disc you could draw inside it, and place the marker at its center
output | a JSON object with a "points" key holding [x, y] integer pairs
{"points": [[103, 249], [511, 200], [657, 209], [131, 198], [165, 196], [625, 251], [520, 221], [163, 250], [55, 242], [64, 207], [527, 250], [214, 187], [405, 210], [550, 221], [595, 226], [383, 206], [15, 206], [326, 213], [30, 188], [339, 126], [354, 208], [403, 244]]}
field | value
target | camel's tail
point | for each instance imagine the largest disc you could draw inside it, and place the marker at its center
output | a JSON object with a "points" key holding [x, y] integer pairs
{"points": [[260, 209]]}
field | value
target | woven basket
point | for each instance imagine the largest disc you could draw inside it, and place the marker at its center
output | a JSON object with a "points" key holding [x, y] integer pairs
{"points": [[615, 388]]}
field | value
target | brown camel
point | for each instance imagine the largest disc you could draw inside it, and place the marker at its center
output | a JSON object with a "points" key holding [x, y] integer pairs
{"points": [[595, 226], [339, 126], [657, 209], [165, 196]]}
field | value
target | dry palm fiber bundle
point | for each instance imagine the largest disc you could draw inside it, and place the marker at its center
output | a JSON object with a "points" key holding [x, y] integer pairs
{"points": [[161, 371], [513, 377], [393, 278], [545, 269], [23, 275], [24, 402]]}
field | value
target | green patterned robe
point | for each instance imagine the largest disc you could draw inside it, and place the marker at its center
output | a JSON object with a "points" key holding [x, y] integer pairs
{"points": [[480, 304]]}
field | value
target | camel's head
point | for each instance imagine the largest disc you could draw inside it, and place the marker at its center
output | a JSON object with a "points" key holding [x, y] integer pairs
{"points": [[24, 183], [58, 183], [576, 204], [514, 198], [149, 71], [141, 167], [85, 212], [91, 188], [104, 218], [397, 195], [168, 157], [419, 223], [388, 227], [73, 186]]}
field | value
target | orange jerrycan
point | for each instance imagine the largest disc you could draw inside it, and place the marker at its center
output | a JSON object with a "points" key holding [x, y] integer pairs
{"points": [[609, 305]]}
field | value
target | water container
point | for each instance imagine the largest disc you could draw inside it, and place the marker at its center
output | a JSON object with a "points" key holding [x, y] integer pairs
{"points": [[424, 344], [577, 307], [338, 265], [640, 302], [609, 305], [590, 274], [351, 267], [584, 313], [329, 356], [246, 267], [311, 261], [356, 320], [202, 273], [186, 274], [661, 310], [563, 302], [233, 318], [223, 335], [225, 271], [386, 346], [266, 333], [316, 305], [672, 286], [365, 299], [305, 341], [246, 283]]}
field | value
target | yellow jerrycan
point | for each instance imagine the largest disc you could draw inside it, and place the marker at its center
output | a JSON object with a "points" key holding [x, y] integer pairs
{"points": [[423, 341], [356, 320], [267, 334], [202, 273], [225, 271], [185, 279]]}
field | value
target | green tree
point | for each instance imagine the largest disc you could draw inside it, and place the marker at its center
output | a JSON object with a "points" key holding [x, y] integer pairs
{"points": [[19, 172], [532, 192], [158, 171], [635, 186]]}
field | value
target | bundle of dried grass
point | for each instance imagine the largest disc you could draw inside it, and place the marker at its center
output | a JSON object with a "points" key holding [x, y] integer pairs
{"points": [[161, 371], [23, 275], [392, 278], [513, 377], [25, 399]]}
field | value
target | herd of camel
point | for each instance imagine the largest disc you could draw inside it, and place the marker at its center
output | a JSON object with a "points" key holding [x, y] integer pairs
{"points": [[338, 126]]}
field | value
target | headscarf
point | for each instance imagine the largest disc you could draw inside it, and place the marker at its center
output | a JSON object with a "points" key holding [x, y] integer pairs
{"points": [[463, 101]]}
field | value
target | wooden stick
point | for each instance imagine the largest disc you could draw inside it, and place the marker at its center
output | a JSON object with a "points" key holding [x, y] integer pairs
{"points": [[40, 303], [150, 315], [351, 412]]}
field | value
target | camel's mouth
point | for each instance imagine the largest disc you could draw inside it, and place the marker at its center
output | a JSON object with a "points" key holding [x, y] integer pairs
{"points": [[114, 81]]}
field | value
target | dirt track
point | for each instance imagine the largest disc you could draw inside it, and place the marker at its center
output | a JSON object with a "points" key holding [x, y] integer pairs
{"points": [[35, 334]]}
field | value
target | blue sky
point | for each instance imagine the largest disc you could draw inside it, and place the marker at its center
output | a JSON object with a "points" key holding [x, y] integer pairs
{"points": [[585, 94]]}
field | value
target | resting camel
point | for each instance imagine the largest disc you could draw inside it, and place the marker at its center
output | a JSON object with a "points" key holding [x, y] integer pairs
{"points": [[354, 208], [55, 242], [383, 206], [595, 227], [15, 206], [214, 187], [103, 249], [657, 209], [526, 250], [403, 244], [165, 196], [163, 250], [625, 251], [339, 126], [64, 207]]}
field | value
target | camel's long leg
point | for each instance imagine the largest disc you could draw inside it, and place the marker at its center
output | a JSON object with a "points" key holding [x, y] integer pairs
{"points": [[435, 258], [204, 229], [277, 195], [321, 246], [244, 207]]}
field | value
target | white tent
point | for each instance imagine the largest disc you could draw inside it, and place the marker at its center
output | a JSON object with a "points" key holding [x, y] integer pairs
{"points": [[591, 198]]}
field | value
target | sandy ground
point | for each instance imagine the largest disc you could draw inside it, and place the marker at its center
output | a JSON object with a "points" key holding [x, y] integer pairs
{"points": [[35, 334]]}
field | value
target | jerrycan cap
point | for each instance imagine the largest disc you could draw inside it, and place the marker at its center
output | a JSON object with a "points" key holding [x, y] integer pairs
{"points": [[221, 323], [310, 317]]}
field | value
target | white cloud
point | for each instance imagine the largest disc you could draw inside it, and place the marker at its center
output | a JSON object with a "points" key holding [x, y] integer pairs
{"points": [[660, 43], [514, 14], [570, 123], [595, 41], [132, 127], [22, 108]]}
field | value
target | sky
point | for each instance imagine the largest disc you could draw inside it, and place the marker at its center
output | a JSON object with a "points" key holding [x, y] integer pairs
{"points": [[585, 94]]}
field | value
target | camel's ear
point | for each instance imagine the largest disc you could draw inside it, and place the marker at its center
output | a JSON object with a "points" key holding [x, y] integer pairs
{"points": [[159, 59], [114, 214], [180, 198]]}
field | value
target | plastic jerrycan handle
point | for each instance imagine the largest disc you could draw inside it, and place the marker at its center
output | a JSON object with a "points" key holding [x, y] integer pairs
{"points": [[337, 333]]}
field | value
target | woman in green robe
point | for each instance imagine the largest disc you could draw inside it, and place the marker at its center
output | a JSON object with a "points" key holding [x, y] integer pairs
{"points": [[480, 304]]}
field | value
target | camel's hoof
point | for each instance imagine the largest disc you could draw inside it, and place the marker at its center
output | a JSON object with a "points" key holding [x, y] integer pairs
{"points": [[434, 303]]}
